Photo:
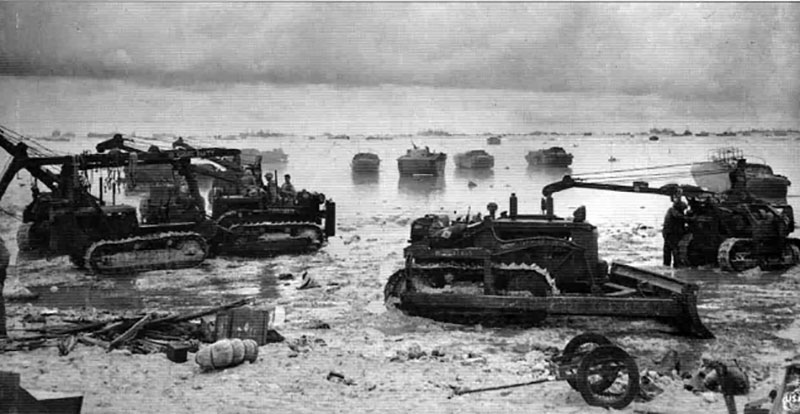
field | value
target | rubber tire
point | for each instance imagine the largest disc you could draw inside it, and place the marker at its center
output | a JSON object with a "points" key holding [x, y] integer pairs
{"points": [[583, 339], [586, 389]]}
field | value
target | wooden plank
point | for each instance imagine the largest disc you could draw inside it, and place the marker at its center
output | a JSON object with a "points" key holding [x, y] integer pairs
{"points": [[130, 333]]}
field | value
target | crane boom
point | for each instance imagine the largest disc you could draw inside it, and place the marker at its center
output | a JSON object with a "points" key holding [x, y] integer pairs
{"points": [[670, 190]]}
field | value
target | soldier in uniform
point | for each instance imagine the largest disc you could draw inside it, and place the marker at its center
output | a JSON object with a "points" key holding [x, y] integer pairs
{"points": [[674, 228], [4, 259], [738, 176], [271, 188], [287, 189]]}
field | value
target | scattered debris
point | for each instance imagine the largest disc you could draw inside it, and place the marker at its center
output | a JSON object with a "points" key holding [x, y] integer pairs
{"points": [[334, 376], [131, 332], [317, 324], [67, 344], [142, 334], [305, 344], [285, 276], [717, 376], [415, 352], [352, 239], [307, 282]]}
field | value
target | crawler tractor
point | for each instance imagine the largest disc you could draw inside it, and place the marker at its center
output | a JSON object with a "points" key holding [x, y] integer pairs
{"points": [[109, 239], [257, 219], [733, 229], [520, 268], [69, 220]]}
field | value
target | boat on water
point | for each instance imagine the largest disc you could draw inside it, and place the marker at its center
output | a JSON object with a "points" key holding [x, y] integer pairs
{"points": [[365, 162], [493, 140], [101, 135], [475, 159], [274, 156], [717, 174], [422, 161], [553, 156]]}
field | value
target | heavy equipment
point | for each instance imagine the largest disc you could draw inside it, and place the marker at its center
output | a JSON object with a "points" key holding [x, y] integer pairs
{"points": [[732, 229], [519, 268], [109, 239], [258, 219]]}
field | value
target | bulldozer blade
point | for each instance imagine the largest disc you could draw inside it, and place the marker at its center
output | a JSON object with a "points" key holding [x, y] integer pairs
{"points": [[656, 287]]}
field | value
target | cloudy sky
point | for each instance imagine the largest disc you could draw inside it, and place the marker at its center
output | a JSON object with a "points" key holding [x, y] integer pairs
{"points": [[716, 52]]}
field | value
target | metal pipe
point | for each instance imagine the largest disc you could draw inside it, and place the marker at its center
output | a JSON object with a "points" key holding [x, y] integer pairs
{"points": [[512, 208], [462, 391]]}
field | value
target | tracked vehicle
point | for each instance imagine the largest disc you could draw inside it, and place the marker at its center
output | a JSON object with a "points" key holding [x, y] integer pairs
{"points": [[732, 229], [258, 220], [109, 239], [739, 234], [521, 268]]}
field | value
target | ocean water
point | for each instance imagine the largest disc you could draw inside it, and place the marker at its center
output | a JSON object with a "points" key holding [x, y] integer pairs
{"points": [[378, 207], [37, 106]]}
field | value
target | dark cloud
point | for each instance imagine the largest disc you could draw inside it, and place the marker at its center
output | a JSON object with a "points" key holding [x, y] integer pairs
{"points": [[707, 51]]}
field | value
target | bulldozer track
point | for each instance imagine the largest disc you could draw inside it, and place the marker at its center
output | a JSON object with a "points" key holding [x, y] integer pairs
{"points": [[269, 238], [732, 261], [160, 251], [522, 279]]}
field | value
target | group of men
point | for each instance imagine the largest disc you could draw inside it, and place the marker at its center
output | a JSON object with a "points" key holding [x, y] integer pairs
{"points": [[286, 192]]}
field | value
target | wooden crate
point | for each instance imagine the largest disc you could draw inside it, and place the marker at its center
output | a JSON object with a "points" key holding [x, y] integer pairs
{"points": [[243, 323]]}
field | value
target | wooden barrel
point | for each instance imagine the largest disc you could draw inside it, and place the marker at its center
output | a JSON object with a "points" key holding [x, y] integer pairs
{"points": [[220, 354], [250, 350], [238, 351]]}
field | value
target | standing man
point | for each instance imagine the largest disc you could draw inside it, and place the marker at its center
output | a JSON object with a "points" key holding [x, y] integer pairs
{"points": [[4, 259], [674, 228], [287, 189], [272, 188], [738, 176]]}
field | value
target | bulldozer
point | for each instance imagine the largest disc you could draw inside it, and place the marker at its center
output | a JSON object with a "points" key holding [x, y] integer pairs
{"points": [[519, 268], [247, 208], [732, 229], [110, 239]]}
